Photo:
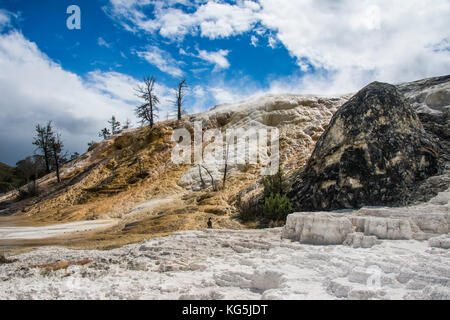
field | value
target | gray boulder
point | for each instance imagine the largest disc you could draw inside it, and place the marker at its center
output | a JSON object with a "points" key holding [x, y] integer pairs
{"points": [[374, 150]]}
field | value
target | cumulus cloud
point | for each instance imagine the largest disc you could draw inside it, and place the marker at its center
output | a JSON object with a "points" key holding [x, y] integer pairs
{"points": [[35, 89], [212, 19], [161, 59], [381, 39], [364, 40], [217, 58], [120, 86]]}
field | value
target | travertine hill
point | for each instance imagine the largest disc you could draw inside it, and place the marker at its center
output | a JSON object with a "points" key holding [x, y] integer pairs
{"points": [[130, 177]]}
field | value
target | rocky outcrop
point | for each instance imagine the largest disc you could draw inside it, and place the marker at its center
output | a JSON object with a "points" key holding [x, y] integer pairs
{"points": [[317, 228], [387, 228], [322, 228], [373, 152], [429, 96], [365, 227]]}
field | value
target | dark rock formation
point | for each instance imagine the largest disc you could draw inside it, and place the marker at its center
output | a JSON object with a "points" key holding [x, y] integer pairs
{"points": [[374, 151]]}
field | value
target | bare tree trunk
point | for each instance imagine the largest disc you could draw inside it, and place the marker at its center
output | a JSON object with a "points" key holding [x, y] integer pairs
{"points": [[201, 178], [147, 111], [47, 161], [212, 179], [151, 111], [226, 167], [179, 101], [180, 93], [57, 169], [35, 178]]}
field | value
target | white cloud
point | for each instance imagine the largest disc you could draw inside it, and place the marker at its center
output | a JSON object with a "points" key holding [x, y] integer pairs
{"points": [[128, 12], [161, 59], [34, 89], [211, 19], [183, 52], [272, 42], [218, 58], [380, 39], [222, 95], [219, 20], [218, 91], [254, 41], [199, 91], [366, 40], [123, 87], [5, 19], [102, 43], [206, 97], [114, 84]]}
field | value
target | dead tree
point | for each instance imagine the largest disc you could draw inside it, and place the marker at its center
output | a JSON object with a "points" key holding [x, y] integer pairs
{"points": [[213, 182], [141, 171], [56, 148], [147, 112], [115, 125], [225, 170], [201, 177], [127, 125], [42, 141], [104, 133], [180, 91]]}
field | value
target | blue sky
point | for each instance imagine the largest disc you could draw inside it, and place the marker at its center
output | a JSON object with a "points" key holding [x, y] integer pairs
{"points": [[103, 44], [227, 51]]}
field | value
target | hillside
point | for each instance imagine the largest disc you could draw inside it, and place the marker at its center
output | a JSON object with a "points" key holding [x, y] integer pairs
{"points": [[107, 182], [130, 177]]}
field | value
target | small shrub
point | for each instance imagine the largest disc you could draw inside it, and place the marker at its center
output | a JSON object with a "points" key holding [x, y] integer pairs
{"points": [[249, 210], [29, 191], [275, 184], [277, 207], [92, 145], [223, 119], [5, 186], [124, 141]]}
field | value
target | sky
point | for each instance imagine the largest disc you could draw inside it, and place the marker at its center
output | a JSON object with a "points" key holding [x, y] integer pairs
{"points": [[226, 50]]}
